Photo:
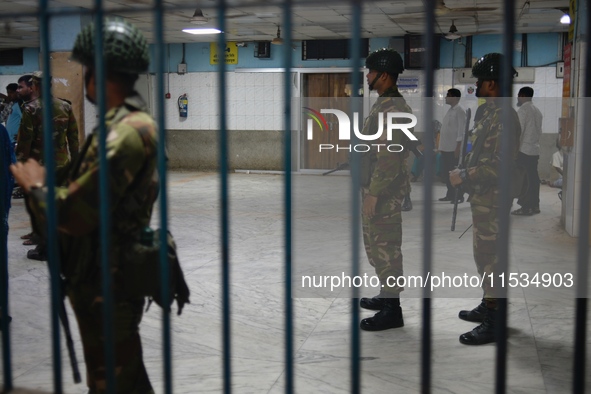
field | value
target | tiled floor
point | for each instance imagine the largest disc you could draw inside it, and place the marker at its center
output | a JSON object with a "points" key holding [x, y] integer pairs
{"points": [[541, 320]]}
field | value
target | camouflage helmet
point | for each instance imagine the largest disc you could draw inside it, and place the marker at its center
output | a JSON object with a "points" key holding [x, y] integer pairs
{"points": [[37, 77], [125, 48], [489, 66], [385, 60]]}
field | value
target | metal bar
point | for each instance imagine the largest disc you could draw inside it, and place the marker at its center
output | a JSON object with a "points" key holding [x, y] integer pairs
{"points": [[104, 206], [224, 201], [162, 176], [356, 11], [429, 169], [504, 194], [287, 63], [582, 281], [4, 309], [49, 162]]}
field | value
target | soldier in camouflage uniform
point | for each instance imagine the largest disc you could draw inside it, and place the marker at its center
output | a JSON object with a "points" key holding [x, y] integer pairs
{"points": [[385, 182], [30, 141], [481, 177], [30, 133], [131, 152]]}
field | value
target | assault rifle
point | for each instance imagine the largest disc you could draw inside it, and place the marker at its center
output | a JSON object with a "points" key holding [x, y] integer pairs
{"points": [[342, 166], [69, 342], [460, 165], [63, 316]]}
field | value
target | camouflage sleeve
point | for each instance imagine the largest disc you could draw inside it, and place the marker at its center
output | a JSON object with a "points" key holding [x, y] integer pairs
{"points": [[487, 166], [78, 204], [73, 137], [25, 137], [389, 164]]}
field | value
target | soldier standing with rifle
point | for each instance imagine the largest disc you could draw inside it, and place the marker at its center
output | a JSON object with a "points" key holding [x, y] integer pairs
{"points": [[385, 182], [481, 178], [131, 151]]}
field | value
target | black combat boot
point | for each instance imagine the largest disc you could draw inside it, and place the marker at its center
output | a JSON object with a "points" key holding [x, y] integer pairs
{"points": [[476, 315], [406, 203], [39, 253], [374, 303], [484, 333], [389, 317]]}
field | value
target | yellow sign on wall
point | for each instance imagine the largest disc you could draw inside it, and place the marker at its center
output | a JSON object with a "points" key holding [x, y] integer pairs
{"points": [[231, 53]]}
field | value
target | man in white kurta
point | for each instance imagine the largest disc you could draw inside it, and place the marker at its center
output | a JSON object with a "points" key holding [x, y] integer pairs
{"points": [[530, 118], [450, 140]]}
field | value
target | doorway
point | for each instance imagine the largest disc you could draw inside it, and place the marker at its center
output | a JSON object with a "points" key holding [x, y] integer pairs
{"points": [[324, 90]]}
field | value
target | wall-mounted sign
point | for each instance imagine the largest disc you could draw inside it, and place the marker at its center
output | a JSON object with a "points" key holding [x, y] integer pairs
{"points": [[230, 53], [408, 84]]}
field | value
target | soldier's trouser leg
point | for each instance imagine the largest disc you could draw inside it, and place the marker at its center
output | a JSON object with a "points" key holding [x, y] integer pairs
{"points": [[382, 237], [130, 373], [485, 233]]}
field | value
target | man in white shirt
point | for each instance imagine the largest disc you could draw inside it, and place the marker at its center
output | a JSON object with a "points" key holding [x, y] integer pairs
{"points": [[530, 118], [450, 140]]}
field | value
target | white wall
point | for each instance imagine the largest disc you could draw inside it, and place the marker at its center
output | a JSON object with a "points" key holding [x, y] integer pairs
{"points": [[255, 99]]}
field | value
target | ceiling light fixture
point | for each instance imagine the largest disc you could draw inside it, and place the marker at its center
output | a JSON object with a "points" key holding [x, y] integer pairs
{"points": [[198, 18], [202, 31], [278, 40], [453, 32], [565, 19]]}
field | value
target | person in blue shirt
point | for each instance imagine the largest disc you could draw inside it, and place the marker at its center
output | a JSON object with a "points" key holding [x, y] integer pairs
{"points": [[11, 115], [6, 183]]}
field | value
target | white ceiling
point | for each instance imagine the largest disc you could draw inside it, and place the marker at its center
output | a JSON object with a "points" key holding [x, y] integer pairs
{"points": [[248, 20]]}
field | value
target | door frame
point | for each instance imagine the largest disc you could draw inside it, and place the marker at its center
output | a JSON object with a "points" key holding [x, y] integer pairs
{"points": [[297, 94]]}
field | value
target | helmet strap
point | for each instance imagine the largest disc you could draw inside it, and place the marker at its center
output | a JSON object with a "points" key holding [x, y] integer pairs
{"points": [[374, 80]]}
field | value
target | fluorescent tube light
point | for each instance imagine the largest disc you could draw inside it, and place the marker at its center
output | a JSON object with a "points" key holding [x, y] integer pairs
{"points": [[202, 31]]}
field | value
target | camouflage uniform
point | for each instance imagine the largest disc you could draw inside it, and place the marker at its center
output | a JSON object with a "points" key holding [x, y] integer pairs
{"points": [[30, 133], [385, 175], [131, 145], [484, 188]]}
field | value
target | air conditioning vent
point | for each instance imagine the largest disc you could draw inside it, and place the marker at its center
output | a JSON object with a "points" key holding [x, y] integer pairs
{"points": [[11, 57], [262, 49]]}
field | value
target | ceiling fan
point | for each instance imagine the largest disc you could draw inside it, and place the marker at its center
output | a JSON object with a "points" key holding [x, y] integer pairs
{"points": [[200, 18], [441, 9], [453, 32]]}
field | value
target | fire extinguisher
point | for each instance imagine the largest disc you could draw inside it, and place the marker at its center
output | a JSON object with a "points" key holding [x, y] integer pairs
{"points": [[183, 103]]}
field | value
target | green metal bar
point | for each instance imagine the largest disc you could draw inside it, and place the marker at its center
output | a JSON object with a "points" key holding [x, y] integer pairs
{"points": [[356, 12], [426, 342], [4, 207], [287, 64], [224, 201], [49, 162], [162, 175], [505, 199], [582, 281], [104, 208]]}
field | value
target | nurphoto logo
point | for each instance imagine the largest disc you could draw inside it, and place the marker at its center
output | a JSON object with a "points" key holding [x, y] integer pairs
{"points": [[345, 130]]}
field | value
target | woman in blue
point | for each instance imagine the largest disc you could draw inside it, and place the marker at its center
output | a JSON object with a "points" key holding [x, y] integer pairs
{"points": [[6, 184]]}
